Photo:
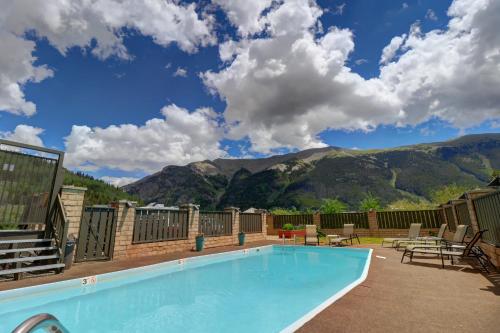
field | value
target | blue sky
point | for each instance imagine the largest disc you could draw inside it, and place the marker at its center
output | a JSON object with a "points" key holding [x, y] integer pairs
{"points": [[87, 90]]}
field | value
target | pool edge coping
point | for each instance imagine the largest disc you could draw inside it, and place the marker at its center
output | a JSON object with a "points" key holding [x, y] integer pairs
{"points": [[332, 299]]}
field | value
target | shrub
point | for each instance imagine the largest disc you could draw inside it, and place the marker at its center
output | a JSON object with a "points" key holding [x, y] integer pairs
{"points": [[288, 226]]}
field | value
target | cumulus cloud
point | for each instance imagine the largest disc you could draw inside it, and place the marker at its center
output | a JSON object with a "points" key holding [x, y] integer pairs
{"points": [[24, 134], [95, 26], [119, 181], [179, 138], [431, 15], [286, 86]]}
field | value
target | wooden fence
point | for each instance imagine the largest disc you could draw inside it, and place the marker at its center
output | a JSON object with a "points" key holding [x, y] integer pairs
{"points": [[213, 224], [155, 225], [463, 217], [250, 222], [488, 216], [296, 220], [401, 219], [337, 221]]}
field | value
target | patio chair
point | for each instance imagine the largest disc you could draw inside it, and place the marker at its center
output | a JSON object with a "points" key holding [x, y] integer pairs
{"points": [[456, 242], [413, 233], [312, 235], [425, 240], [468, 251], [347, 235]]}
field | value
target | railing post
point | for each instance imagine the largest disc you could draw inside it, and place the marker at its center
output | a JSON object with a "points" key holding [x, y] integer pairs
{"points": [[316, 217], [263, 218], [270, 224]]}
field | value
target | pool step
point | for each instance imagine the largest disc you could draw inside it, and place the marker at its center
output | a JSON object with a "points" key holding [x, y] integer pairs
{"points": [[28, 249], [31, 269], [29, 258]]}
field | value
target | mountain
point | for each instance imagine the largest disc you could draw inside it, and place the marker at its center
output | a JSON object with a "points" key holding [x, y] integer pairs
{"points": [[304, 178]]}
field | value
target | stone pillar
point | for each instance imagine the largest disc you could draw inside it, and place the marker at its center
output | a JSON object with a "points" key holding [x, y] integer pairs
{"points": [[317, 220], [263, 218], [236, 222], [125, 217], [72, 200], [373, 223], [193, 221]]}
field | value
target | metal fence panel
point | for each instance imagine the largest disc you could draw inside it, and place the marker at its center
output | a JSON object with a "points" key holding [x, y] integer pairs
{"points": [[156, 225], [401, 219], [250, 222], [213, 224], [488, 216], [296, 220], [450, 218], [97, 234], [337, 221], [30, 178], [463, 216]]}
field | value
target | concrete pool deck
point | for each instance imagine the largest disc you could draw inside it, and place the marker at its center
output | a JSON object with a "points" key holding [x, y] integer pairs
{"points": [[417, 297]]}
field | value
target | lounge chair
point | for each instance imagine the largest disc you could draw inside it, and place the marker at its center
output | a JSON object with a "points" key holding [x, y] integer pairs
{"points": [[425, 240], [456, 242], [413, 233], [312, 235], [468, 251], [347, 235]]}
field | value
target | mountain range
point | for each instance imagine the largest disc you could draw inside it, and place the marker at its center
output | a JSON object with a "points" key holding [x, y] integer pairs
{"points": [[302, 179]]}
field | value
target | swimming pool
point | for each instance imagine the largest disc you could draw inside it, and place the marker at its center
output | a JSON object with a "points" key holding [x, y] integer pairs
{"points": [[266, 289]]}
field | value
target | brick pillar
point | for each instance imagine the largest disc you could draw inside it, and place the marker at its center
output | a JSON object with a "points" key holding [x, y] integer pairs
{"points": [[193, 222], [263, 218], [372, 222], [236, 222], [125, 216], [72, 200], [317, 220]]}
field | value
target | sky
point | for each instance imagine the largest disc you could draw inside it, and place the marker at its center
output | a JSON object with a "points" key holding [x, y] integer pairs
{"points": [[128, 87]]}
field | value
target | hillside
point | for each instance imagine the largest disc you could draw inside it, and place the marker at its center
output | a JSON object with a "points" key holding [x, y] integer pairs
{"points": [[304, 178], [98, 191]]}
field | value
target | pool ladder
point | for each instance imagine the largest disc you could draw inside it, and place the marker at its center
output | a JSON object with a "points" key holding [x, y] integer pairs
{"points": [[44, 321]]}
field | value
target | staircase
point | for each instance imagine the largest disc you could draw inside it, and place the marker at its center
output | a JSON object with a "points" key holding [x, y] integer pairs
{"points": [[28, 255]]}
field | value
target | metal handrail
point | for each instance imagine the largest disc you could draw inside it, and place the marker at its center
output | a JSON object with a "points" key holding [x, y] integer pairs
{"points": [[44, 321]]}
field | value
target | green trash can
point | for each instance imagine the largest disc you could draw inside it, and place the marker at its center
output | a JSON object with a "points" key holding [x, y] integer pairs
{"points": [[241, 238], [200, 241]]}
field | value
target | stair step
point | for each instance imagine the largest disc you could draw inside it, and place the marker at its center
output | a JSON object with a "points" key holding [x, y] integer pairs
{"points": [[30, 269], [28, 249], [24, 259], [20, 241]]}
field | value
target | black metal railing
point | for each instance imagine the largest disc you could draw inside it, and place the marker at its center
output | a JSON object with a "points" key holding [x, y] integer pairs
{"points": [[337, 221], [154, 225], [401, 219], [295, 220], [250, 223], [488, 216]]}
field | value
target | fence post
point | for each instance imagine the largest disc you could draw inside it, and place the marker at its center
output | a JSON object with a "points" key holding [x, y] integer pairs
{"points": [[270, 224], [193, 221], [472, 213], [372, 222], [125, 218], [72, 200]]}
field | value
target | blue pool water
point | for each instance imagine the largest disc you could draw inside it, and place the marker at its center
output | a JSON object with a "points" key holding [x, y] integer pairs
{"points": [[267, 289]]}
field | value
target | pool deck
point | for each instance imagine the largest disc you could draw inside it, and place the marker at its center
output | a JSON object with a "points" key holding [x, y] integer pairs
{"points": [[417, 297]]}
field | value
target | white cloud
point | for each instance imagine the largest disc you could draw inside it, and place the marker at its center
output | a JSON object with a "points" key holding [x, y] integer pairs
{"points": [[80, 23], [24, 134], [282, 90], [390, 50], [180, 138], [119, 181], [180, 72], [244, 14], [405, 5], [431, 15], [339, 10], [288, 85]]}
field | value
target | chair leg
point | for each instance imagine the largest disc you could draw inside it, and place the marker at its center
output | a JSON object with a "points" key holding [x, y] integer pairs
{"points": [[442, 261], [411, 256], [358, 239], [404, 254]]}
